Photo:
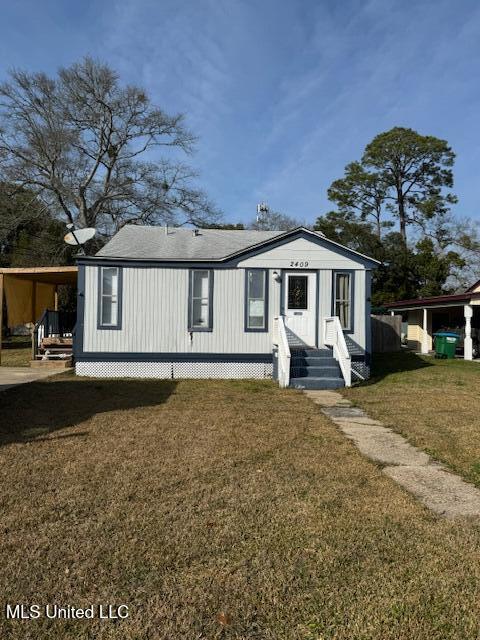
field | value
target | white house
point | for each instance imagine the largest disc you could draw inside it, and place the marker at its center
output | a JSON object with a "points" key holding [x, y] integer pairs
{"points": [[182, 303]]}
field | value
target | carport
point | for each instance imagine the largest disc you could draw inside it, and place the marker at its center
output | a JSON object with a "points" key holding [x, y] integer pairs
{"points": [[426, 316], [28, 291]]}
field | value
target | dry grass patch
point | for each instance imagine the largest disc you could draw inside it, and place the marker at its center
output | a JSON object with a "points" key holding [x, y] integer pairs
{"points": [[216, 509], [434, 403], [16, 351]]}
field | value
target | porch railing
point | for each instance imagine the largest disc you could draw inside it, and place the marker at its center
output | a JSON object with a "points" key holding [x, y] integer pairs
{"points": [[281, 341], [333, 337], [52, 323]]}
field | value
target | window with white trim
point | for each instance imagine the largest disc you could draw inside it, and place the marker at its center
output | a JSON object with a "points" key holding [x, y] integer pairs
{"points": [[343, 299], [200, 303], [256, 300], [109, 283]]}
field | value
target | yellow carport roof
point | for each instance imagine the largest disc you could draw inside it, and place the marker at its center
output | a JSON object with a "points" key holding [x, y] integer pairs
{"points": [[50, 275]]}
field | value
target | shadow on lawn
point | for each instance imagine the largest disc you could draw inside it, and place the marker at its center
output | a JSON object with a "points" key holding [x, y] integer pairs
{"points": [[384, 364], [30, 412]]}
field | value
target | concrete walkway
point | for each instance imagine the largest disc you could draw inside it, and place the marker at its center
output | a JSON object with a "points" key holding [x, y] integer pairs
{"points": [[441, 491], [13, 376]]}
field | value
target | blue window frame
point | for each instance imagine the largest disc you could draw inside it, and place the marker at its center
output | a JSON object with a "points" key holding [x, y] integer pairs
{"points": [[109, 305], [256, 300], [200, 300]]}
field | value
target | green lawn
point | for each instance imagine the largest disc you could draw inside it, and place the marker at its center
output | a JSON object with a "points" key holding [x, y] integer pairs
{"points": [[216, 509], [434, 403], [16, 351]]}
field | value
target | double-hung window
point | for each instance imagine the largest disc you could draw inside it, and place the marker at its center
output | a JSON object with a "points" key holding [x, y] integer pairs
{"points": [[343, 299], [109, 298], [200, 306], [256, 300]]}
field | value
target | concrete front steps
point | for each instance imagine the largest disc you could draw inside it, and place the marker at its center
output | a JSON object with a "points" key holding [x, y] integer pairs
{"points": [[314, 369]]}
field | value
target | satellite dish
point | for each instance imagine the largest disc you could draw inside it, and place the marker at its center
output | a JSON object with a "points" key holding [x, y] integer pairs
{"points": [[77, 237]]}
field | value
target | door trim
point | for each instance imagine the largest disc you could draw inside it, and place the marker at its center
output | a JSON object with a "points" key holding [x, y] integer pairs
{"points": [[316, 310]]}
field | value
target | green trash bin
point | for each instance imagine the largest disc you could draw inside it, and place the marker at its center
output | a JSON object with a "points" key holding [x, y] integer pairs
{"points": [[445, 344]]}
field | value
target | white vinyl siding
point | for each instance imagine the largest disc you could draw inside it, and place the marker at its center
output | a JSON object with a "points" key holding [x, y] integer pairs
{"points": [[155, 315], [302, 252]]}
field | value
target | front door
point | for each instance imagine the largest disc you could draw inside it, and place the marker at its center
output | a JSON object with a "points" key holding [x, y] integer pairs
{"points": [[300, 305]]}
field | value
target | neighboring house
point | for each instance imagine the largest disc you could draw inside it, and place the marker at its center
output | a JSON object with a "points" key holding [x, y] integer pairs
{"points": [[459, 312], [182, 303]]}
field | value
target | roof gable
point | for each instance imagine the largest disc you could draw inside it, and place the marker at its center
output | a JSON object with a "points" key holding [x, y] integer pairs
{"points": [[266, 249]]}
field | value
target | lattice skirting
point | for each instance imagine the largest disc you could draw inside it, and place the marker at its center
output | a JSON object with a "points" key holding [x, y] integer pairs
{"points": [[362, 368], [169, 370]]}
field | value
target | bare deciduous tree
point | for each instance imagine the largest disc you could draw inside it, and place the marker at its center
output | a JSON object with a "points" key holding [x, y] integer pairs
{"points": [[88, 148]]}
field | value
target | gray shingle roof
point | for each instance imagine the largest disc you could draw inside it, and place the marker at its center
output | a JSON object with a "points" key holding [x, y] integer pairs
{"points": [[152, 243]]}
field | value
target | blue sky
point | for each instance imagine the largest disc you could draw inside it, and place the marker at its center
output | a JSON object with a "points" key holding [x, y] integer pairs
{"points": [[281, 93]]}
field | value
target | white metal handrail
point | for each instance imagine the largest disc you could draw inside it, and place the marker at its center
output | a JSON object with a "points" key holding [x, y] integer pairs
{"points": [[333, 337], [280, 339]]}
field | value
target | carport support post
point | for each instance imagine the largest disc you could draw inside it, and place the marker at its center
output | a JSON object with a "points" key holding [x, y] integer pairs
{"points": [[34, 301], [467, 343], [425, 332]]}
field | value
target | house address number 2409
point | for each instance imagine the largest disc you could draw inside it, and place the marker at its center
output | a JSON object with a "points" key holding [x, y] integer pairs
{"points": [[299, 263]]}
